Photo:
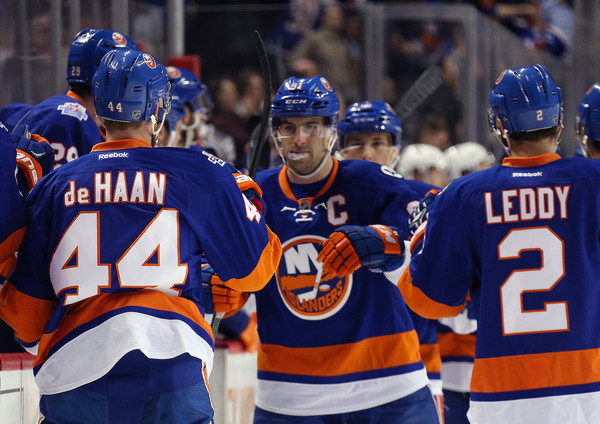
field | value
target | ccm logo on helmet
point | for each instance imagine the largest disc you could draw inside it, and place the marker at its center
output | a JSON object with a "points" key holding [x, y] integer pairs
{"points": [[295, 101], [149, 60]]}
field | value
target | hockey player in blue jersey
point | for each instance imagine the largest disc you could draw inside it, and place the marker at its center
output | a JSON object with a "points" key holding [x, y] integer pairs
{"points": [[371, 131], [522, 240], [107, 288], [334, 348], [24, 161], [588, 123], [68, 121]]}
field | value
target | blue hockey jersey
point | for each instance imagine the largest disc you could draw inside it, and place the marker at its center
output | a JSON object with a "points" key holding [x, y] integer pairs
{"points": [[111, 259], [333, 345], [12, 212], [522, 238], [65, 122]]}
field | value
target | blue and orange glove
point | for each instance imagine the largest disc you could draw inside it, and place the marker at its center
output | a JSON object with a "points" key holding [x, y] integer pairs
{"points": [[376, 247], [218, 298], [35, 157], [421, 212]]}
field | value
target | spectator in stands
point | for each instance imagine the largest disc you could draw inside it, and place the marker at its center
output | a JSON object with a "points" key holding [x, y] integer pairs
{"points": [[250, 87], [225, 118], [434, 131], [328, 48]]}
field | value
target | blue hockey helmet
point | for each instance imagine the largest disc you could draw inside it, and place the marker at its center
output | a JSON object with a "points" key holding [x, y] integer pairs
{"points": [[189, 89], [363, 117], [306, 97], [176, 113], [524, 99], [588, 115], [87, 50], [128, 85]]}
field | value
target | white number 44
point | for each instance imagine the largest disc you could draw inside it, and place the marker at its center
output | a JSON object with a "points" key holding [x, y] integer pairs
{"points": [[118, 107], [76, 261]]}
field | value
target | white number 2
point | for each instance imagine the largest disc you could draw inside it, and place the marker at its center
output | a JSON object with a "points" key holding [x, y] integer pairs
{"points": [[76, 261], [554, 316]]}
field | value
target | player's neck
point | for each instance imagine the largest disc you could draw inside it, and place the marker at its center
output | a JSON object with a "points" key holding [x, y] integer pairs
{"points": [[141, 133], [530, 149], [317, 176]]}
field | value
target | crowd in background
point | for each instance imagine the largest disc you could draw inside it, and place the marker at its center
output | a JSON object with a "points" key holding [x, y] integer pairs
{"points": [[306, 38]]}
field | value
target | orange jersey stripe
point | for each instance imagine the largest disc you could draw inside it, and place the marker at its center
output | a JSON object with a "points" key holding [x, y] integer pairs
{"points": [[267, 265], [11, 244], [430, 353], [327, 361], [530, 161], [27, 315], [287, 189], [8, 265], [127, 143], [452, 344], [421, 304], [83, 312], [244, 182], [535, 371]]}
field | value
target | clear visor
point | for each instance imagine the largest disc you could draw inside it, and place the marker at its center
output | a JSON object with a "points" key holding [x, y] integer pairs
{"points": [[282, 130]]}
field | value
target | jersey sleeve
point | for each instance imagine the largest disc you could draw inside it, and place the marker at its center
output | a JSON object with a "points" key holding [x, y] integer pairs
{"points": [[12, 212], [437, 282], [237, 242], [27, 299]]}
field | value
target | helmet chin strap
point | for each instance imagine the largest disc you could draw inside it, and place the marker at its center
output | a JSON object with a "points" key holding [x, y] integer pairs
{"points": [[189, 130], [156, 131]]}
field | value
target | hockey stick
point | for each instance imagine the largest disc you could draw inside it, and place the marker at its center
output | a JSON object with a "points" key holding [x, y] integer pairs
{"points": [[423, 87], [260, 138], [257, 142]]}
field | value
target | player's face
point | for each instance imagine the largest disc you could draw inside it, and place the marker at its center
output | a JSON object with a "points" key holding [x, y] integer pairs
{"points": [[164, 137], [304, 142], [437, 177], [593, 149], [373, 146]]}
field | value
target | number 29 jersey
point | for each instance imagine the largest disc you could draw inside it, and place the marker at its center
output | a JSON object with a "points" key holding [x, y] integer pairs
{"points": [[332, 345], [523, 239]]}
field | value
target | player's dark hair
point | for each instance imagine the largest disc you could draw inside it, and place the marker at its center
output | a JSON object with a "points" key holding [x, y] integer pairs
{"points": [[81, 90], [534, 136], [121, 126]]}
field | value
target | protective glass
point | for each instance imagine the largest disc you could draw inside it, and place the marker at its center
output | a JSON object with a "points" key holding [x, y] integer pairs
{"points": [[312, 129]]}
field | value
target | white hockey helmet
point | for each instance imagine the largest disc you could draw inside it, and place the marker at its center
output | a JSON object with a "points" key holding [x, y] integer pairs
{"points": [[423, 161], [465, 158]]}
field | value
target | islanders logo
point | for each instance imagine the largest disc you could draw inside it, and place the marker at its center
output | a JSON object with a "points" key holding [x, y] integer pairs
{"points": [[149, 60], [306, 291], [119, 38], [173, 72]]}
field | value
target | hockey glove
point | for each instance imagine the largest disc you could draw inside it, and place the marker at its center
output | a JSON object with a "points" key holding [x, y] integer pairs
{"points": [[35, 157], [421, 213], [218, 298], [376, 247]]}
